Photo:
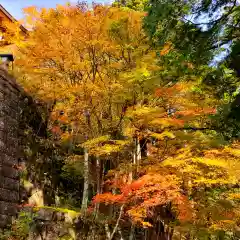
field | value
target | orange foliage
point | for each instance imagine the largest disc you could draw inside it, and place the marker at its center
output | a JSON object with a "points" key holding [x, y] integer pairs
{"points": [[166, 49], [196, 112], [168, 91], [56, 130], [148, 192]]}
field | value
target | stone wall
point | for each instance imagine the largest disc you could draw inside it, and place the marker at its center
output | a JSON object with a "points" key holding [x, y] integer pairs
{"points": [[10, 110]]}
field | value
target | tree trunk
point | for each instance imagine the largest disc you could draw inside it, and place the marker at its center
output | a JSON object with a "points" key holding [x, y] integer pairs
{"points": [[134, 160], [139, 156], [110, 235], [131, 236], [86, 183], [98, 169], [169, 233]]}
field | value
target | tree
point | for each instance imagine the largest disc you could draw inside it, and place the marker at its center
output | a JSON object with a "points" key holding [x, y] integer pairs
{"points": [[74, 58], [138, 5], [180, 128], [220, 24], [200, 31]]}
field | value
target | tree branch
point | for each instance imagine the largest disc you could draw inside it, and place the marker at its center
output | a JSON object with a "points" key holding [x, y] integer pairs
{"points": [[111, 235]]}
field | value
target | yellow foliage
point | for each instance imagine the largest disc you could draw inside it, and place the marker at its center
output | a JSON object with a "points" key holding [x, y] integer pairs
{"points": [[109, 147], [204, 170], [146, 224], [164, 135], [224, 225], [234, 196], [95, 141]]}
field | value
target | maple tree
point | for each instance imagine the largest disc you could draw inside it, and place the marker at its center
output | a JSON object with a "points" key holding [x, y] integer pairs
{"points": [[161, 181]]}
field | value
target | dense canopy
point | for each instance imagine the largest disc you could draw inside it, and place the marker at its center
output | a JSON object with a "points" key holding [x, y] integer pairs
{"points": [[142, 128]]}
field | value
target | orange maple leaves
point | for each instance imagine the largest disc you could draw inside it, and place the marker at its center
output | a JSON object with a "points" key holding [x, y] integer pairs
{"points": [[146, 193], [168, 91], [166, 49]]}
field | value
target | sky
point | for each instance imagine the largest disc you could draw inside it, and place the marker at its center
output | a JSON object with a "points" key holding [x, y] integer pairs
{"points": [[15, 6]]}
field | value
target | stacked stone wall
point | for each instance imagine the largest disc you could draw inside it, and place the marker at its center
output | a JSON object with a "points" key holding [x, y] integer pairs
{"points": [[10, 110]]}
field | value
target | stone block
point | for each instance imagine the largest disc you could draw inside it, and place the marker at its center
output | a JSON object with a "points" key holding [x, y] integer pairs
{"points": [[2, 95], [2, 144], [2, 123], [7, 208], [11, 151], [12, 141], [12, 133], [13, 104], [14, 114], [11, 121], [5, 220], [2, 135], [9, 195], [9, 160], [6, 109], [9, 183], [10, 172], [11, 129], [8, 87]]}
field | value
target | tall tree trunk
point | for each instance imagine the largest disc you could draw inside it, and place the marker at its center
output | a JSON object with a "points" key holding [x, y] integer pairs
{"points": [[134, 160], [169, 233], [139, 156], [86, 183], [99, 178], [131, 236], [135, 151]]}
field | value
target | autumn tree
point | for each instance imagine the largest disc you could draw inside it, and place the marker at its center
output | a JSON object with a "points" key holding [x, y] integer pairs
{"points": [[178, 124], [74, 60]]}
